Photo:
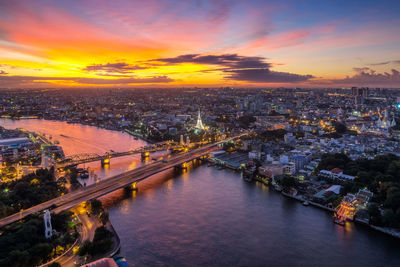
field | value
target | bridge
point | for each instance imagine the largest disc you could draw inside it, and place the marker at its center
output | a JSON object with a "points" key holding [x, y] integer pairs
{"points": [[111, 184], [104, 159]]}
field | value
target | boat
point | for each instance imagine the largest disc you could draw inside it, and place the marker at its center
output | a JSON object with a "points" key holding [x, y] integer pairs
{"points": [[306, 203], [248, 179], [136, 138], [120, 261], [84, 175], [64, 136], [278, 188], [339, 221]]}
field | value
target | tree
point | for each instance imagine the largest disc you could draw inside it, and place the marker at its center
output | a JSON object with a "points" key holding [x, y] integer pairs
{"points": [[95, 206], [101, 233], [337, 160], [60, 221], [23, 243], [288, 182], [102, 241], [246, 120], [86, 248], [375, 214], [389, 218], [40, 252], [340, 127], [104, 217], [18, 258], [393, 200]]}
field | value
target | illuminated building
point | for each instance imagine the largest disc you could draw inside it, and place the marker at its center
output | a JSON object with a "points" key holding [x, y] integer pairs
{"points": [[199, 124], [385, 123], [347, 208]]}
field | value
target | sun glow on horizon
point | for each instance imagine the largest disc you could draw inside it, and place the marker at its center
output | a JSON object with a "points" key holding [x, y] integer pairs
{"points": [[135, 44]]}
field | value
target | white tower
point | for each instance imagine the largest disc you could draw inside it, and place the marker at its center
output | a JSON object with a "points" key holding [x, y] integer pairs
{"points": [[199, 124], [48, 231], [187, 141], [181, 140], [45, 161], [393, 123]]}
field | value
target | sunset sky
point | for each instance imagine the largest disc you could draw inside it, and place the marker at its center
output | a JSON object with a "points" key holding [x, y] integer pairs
{"points": [[199, 43]]}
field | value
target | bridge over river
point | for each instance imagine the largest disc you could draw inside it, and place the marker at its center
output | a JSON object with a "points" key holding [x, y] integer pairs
{"points": [[90, 157], [111, 184]]}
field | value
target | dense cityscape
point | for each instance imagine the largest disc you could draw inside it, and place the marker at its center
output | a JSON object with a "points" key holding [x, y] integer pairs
{"points": [[199, 133], [341, 155]]}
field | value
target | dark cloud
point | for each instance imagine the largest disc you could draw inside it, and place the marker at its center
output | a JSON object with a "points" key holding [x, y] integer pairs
{"points": [[266, 76], [119, 67], [227, 60], [385, 63], [361, 69], [240, 68], [368, 77], [15, 81], [154, 79], [2, 72]]}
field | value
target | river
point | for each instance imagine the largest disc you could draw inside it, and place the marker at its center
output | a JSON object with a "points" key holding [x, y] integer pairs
{"points": [[210, 217]]}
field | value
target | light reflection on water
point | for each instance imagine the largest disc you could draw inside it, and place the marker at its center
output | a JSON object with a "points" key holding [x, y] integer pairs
{"points": [[210, 217]]}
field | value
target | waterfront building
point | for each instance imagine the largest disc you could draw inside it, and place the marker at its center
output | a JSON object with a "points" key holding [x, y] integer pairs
{"points": [[289, 168], [347, 208], [335, 174], [13, 142], [271, 170], [300, 160]]}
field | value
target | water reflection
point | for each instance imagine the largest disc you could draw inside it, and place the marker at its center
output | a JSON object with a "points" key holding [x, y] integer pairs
{"points": [[209, 217]]}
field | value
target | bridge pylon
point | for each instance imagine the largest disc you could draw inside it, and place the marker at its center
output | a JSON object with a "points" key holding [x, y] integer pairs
{"points": [[183, 166], [145, 155], [204, 157], [132, 187], [105, 161]]}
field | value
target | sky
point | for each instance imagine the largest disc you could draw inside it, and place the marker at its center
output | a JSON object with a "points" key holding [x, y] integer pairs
{"points": [[182, 43]]}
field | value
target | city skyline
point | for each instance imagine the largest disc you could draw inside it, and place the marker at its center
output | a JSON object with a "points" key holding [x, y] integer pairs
{"points": [[204, 43]]}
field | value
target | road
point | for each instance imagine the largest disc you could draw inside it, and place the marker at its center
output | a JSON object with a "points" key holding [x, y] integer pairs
{"points": [[86, 232], [111, 184]]}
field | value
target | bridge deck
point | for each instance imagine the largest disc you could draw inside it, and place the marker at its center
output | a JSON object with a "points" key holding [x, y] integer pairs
{"points": [[113, 183], [86, 158]]}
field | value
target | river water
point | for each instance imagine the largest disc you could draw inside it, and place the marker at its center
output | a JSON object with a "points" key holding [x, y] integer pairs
{"points": [[210, 217]]}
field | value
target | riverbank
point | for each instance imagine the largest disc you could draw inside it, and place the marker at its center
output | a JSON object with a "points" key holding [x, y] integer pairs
{"points": [[388, 231], [121, 130], [116, 241], [139, 136], [194, 210], [392, 232], [87, 229], [301, 199]]}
